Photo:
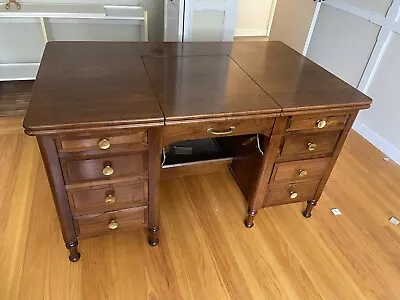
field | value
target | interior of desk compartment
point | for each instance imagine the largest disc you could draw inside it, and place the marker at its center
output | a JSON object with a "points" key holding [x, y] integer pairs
{"points": [[204, 149]]}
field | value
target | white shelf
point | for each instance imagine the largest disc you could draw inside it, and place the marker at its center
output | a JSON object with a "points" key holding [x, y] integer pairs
{"points": [[75, 11], [32, 10]]}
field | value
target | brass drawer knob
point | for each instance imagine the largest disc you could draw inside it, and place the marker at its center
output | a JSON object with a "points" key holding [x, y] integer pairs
{"points": [[113, 225], [321, 124], [110, 199], [108, 171], [311, 146], [303, 173], [104, 144], [293, 195]]}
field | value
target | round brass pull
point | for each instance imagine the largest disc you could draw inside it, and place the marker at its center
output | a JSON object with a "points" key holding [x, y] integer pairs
{"points": [[104, 144], [303, 173], [113, 225], [293, 195], [221, 132], [110, 199], [321, 124], [311, 146], [108, 171]]}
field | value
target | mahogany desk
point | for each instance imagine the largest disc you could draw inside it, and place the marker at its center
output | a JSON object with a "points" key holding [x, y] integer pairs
{"points": [[110, 119]]}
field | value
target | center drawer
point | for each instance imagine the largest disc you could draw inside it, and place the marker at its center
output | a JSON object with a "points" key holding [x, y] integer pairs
{"points": [[97, 224], [77, 170], [212, 129], [103, 198]]}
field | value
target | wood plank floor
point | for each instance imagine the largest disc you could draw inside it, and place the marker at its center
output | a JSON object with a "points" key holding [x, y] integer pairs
{"points": [[205, 251]]}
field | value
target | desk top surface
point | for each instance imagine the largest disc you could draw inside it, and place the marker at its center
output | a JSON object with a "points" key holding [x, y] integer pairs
{"points": [[86, 84]]}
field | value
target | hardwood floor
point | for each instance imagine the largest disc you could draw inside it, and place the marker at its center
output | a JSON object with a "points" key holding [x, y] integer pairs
{"points": [[205, 251], [14, 97]]}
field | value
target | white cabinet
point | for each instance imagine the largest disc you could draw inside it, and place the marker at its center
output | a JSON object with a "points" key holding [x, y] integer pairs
{"points": [[199, 20], [25, 31]]}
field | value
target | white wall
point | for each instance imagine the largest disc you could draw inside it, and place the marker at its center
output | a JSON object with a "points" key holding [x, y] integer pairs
{"points": [[253, 17], [382, 120]]}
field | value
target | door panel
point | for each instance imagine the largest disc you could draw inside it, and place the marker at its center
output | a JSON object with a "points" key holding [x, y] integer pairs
{"points": [[292, 23], [210, 20], [173, 20], [332, 45], [207, 26], [380, 6]]}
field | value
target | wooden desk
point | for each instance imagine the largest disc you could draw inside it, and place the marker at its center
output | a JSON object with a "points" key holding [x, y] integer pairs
{"points": [[111, 119]]}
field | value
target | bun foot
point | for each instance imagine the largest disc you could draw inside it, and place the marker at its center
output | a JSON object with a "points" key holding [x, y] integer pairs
{"points": [[153, 243], [248, 225], [153, 236], [307, 211], [306, 214], [74, 257], [249, 222]]}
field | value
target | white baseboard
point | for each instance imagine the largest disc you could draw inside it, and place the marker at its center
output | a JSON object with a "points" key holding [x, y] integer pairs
{"points": [[390, 150], [251, 32]]}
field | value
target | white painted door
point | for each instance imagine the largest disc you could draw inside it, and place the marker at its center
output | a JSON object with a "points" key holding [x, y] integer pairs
{"points": [[293, 23], [209, 20], [173, 20]]}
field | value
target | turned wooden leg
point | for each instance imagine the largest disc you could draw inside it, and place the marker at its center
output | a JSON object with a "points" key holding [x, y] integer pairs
{"points": [[74, 254], [154, 137], [153, 236], [310, 205], [249, 222]]}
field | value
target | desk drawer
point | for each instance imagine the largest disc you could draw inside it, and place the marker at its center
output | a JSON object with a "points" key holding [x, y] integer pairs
{"points": [[109, 197], [101, 168], [99, 224], [310, 144], [104, 143], [291, 193], [212, 129], [317, 122], [300, 170]]}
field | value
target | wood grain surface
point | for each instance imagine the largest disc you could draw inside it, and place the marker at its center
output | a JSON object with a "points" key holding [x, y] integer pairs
{"points": [[103, 85], [127, 85], [205, 251], [205, 86]]}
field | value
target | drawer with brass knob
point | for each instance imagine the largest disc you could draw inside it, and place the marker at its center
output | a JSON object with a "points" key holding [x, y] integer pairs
{"points": [[78, 169], [300, 170], [309, 144], [317, 122], [104, 143], [103, 198], [291, 192], [98, 224]]}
